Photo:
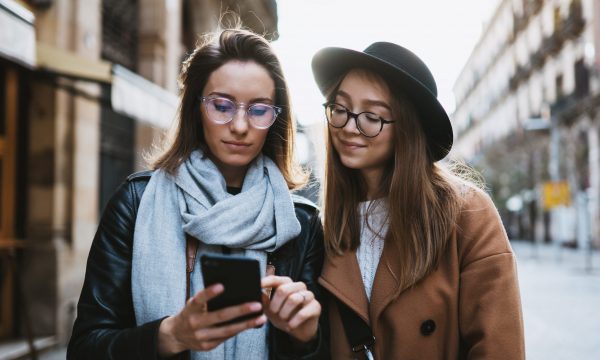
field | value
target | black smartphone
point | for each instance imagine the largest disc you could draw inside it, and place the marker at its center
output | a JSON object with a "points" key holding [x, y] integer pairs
{"points": [[239, 275]]}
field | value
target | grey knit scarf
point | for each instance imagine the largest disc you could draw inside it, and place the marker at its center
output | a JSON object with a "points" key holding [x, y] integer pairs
{"points": [[260, 219]]}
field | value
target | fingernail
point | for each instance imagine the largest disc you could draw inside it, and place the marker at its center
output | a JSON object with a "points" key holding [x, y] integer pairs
{"points": [[218, 288], [255, 307], [261, 320]]}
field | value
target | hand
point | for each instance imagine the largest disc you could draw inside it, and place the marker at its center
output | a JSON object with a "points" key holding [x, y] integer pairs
{"points": [[195, 328], [292, 308]]}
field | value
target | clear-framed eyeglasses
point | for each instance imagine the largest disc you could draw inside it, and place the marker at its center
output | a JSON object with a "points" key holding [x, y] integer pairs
{"points": [[222, 110], [368, 123]]}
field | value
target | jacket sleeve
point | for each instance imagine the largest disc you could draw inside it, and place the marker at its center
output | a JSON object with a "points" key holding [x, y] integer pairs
{"points": [[284, 348], [105, 326], [491, 323]]}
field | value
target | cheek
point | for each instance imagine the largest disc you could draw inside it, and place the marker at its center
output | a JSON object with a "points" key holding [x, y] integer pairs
{"points": [[386, 145], [260, 140], [205, 126], [210, 132], [334, 136]]}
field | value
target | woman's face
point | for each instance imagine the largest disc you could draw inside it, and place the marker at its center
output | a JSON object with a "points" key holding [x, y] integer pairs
{"points": [[360, 92], [235, 144]]}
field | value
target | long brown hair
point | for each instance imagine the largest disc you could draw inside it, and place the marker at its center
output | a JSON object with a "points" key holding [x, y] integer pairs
{"points": [[422, 200], [217, 49]]}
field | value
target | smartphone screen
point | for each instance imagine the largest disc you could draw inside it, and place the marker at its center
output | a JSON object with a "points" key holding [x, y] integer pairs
{"points": [[239, 275]]}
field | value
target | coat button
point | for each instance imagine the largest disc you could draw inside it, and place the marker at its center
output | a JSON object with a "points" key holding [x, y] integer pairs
{"points": [[427, 327]]}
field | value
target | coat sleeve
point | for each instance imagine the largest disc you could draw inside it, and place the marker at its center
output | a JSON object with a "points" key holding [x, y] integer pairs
{"points": [[491, 322], [105, 326], [283, 346]]}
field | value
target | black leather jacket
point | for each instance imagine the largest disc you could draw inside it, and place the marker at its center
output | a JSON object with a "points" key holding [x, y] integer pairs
{"points": [[105, 327]]}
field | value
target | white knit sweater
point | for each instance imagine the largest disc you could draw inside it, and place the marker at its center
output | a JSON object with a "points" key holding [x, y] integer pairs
{"points": [[371, 240]]}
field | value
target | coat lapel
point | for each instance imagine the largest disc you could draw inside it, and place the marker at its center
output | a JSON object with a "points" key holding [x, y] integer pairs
{"points": [[385, 285], [341, 277]]}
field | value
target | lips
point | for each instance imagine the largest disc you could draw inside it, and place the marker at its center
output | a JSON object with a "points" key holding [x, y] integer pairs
{"points": [[236, 143], [352, 144]]}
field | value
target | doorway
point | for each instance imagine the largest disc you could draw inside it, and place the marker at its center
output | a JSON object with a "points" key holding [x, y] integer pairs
{"points": [[9, 100]]}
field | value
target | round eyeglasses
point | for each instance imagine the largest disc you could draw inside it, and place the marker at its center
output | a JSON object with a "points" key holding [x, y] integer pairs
{"points": [[222, 110], [368, 124]]}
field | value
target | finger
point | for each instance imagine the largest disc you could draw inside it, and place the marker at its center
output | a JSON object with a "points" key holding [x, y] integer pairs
{"points": [[265, 300], [207, 345], [227, 331], [198, 301], [294, 303], [282, 293], [274, 281], [310, 311], [232, 312]]}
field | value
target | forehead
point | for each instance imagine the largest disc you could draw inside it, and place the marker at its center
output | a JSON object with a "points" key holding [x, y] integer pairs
{"points": [[364, 84], [242, 80]]}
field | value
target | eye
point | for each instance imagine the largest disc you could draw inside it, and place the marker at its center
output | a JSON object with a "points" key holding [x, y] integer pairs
{"points": [[258, 110], [371, 117], [337, 109], [222, 105]]}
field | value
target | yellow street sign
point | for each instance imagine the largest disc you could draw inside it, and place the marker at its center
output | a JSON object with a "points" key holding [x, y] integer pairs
{"points": [[556, 193]]}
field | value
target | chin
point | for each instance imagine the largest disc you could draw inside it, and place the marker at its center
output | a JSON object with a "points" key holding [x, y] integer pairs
{"points": [[352, 163]]}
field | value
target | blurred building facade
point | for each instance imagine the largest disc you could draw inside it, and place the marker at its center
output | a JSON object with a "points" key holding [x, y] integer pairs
{"points": [[526, 115], [86, 88]]}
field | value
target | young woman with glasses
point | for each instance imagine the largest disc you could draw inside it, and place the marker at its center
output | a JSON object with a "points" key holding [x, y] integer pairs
{"points": [[221, 186], [418, 262]]}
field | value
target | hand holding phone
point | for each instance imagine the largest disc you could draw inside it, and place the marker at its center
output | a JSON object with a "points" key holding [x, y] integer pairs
{"points": [[194, 328], [240, 277]]}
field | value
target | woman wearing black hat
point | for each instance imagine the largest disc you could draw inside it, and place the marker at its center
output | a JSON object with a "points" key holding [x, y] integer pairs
{"points": [[418, 263]]}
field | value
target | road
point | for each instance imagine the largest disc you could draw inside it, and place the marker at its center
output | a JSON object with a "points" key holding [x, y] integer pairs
{"points": [[561, 302]]}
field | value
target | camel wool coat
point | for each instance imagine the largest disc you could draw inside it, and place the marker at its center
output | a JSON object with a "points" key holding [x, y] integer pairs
{"points": [[468, 308]]}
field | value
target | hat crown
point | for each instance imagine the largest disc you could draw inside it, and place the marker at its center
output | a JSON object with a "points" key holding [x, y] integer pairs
{"points": [[404, 60]]}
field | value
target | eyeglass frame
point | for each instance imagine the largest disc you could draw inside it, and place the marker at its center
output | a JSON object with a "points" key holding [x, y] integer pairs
{"points": [[240, 105], [352, 115]]}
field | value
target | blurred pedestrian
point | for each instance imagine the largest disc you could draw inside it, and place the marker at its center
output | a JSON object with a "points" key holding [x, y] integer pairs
{"points": [[221, 186], [418, 261]]}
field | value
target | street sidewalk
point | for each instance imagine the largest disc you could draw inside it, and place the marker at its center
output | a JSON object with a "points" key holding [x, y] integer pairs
{"points": [[560, 293]]}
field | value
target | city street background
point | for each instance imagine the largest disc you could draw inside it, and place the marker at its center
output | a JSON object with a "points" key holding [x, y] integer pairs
{"points": [[89, 88]]}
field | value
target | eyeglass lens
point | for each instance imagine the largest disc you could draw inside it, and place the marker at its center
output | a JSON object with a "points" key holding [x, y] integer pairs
{"points": [[221, 110], [368, 124]]}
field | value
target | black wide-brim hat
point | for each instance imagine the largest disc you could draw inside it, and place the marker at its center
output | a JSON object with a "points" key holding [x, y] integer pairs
{"points": [[401, 69]]}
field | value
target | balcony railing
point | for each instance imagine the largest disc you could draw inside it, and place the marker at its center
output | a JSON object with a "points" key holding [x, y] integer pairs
{"points": [[551, 44], [519, 23], [521, 74], [574, 24], [538, 59], [533, 6]]}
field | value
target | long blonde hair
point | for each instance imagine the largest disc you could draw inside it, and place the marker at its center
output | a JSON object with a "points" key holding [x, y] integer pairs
{"points": [[423, 204]]}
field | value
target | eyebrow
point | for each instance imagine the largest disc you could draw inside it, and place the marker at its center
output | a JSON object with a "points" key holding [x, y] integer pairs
{"points": [[367, 101], [232, 98]]}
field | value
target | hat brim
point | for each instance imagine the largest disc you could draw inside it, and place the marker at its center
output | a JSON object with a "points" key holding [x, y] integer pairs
{"points": [[329, 64]]}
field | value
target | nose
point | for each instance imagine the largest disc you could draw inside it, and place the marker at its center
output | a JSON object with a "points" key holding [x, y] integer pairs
{"points": [[352, 125], [239, 123]]}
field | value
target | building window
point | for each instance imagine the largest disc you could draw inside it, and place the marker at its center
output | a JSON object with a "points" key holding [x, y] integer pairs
{"points": [[582, 79], [559, 87], [117, 139], [120, 32]]}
